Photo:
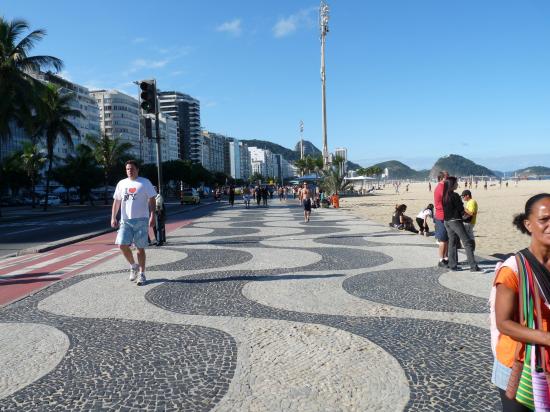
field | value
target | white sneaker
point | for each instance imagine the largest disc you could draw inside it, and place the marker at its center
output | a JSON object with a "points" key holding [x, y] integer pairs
{"points": [[134, 272], [141, 279]]}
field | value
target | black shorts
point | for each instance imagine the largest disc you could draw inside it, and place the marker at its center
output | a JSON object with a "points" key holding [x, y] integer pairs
{"points": [[307, 205]]}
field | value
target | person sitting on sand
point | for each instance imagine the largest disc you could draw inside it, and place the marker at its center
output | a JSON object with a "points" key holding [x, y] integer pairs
{"points": [[422, 219], [402, 221]]}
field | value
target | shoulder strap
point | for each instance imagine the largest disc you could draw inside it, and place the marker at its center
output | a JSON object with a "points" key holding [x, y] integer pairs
{"points": [[542, 348], [519, 345]]}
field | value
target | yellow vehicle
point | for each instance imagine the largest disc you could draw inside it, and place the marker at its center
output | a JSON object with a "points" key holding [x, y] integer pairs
{"points": [[190, 196]]}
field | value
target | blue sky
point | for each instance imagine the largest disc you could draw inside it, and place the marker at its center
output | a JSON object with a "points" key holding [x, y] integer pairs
{"points": [[410, 80]]}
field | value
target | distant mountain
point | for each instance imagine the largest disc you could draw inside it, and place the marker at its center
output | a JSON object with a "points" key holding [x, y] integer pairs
{"points": [[398, 170], [459, 166], [309, 149], [352, 166], [533, 171]]}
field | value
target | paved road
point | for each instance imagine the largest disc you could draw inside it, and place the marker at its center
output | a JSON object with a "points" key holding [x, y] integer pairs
{"points": [[255, 310], [19, 234]]}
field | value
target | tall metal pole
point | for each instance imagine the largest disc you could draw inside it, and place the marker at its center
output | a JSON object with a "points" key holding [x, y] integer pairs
{"points": [[140, 137], [301, 139], [323, 22], [157, 127]]}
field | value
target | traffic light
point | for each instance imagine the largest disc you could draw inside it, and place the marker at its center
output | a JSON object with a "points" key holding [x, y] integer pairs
{"points": [[148, 96], [148, 128]]}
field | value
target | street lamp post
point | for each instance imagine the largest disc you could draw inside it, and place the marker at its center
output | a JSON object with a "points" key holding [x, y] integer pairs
{"points": [[323, 23], [301, 139]]}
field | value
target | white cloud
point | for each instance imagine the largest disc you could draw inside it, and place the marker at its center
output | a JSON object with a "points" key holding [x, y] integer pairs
{"points": [[233, 27], [139, 40], [288, 25]]}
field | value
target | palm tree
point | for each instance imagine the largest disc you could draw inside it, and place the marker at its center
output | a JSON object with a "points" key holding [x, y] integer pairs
{"points": [[52, 121], [16, 86], [108, 154], [300, 165], [33, 161], [333, 181]]}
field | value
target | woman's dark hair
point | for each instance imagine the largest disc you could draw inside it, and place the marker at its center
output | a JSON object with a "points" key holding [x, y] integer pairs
{"points": [[400, 208], [520, 217], [448, 188], [430, 206]]}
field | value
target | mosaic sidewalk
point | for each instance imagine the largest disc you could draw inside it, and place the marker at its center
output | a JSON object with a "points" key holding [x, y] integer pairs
{"points": [[254, 310]]}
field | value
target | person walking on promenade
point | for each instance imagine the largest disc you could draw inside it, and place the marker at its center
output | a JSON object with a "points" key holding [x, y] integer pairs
{"points": [[135, 198], [509, 336], [440, 231], [306, 202], [258, 192], [265, 194], [470, 215], [232, 195], [453, 211], [246, 197]]}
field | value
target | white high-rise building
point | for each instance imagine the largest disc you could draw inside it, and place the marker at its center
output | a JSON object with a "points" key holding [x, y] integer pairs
{"points": [[88, 124], [168, 141], [214, 151], [119, 117], [343, 153], [186, 111]]}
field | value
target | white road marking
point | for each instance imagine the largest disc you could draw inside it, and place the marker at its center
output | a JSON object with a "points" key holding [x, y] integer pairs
{"points": [[40, 265], [16, 260]]}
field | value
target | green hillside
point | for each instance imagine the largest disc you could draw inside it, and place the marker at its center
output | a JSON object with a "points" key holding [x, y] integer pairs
{"points": [[534, 171], [459, 166], [398, 170]]}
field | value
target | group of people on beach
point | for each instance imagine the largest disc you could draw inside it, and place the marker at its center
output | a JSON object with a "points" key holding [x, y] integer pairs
{"points": [[453, 219]]}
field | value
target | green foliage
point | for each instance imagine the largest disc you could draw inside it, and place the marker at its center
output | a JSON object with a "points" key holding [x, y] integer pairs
{"points": [[33, 161], [333, 181], [17, 88], [110, 154], [398, 170], [14, 175], [257, 177]]}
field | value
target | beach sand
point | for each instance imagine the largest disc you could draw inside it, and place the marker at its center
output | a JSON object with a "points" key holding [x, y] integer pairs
{"points": [[494, 232]]}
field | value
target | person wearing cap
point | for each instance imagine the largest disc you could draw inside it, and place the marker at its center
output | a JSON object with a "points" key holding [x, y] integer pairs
{"points": [[470, 215]]}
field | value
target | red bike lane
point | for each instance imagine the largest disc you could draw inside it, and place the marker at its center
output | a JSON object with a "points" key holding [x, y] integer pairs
{"points": [[25, 275]]}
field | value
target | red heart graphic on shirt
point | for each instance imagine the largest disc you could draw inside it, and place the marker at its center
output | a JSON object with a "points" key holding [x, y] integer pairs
{"points": [[132, 190]]}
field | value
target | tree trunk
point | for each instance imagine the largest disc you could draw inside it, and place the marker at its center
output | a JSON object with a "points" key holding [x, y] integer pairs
{"points": [[33, 196], [48, 184], [106, 182]]}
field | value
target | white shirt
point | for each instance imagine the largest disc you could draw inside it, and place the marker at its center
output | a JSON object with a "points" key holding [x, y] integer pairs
{"points": [[134, 196], [424, 214]]}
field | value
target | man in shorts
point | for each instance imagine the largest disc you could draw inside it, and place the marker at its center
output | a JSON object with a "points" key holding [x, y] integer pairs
{"points": [[440, 231], [306, 202], [135, 197]]}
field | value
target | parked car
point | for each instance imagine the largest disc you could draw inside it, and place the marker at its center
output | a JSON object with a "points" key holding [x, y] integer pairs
{"points": [[52, 200], [190, 196]]}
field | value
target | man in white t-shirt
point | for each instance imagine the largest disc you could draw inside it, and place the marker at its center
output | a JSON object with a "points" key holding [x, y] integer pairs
{"points": [[135, 197]]}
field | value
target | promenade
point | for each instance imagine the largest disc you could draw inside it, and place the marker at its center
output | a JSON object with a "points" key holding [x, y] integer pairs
{"points": [[255, 310]]}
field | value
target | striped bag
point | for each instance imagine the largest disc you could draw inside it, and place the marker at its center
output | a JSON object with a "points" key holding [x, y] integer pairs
{"points": [[533, 390], [541, 391], [524, 394]]}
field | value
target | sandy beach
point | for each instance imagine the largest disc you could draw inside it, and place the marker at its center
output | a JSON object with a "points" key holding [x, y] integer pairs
{"points": [[495, 234]]}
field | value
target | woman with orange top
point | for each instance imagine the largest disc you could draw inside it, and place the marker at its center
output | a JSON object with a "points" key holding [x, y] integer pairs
{"points": [[535, 222]]}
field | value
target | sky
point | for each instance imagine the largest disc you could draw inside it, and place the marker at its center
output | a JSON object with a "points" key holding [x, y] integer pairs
{"points": [[408, 80]]}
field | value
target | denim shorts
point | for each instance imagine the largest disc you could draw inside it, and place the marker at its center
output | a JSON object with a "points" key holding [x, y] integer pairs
{"points": [[134, 231], [440, 231]]}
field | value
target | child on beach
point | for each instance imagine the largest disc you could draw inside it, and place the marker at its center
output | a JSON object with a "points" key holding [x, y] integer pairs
{"points": [[422, 219]]}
